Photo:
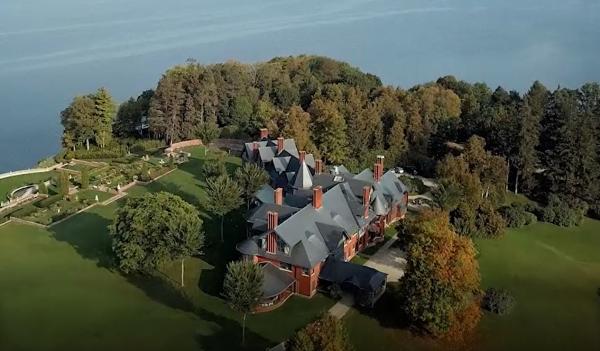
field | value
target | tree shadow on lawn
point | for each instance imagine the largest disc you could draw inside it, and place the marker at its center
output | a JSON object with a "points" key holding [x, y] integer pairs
{"points": [[229, 332], [87, 233], [229, 336], [218, 254], [174, 189]]}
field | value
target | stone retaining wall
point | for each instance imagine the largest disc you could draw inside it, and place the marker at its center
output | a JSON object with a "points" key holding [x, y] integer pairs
{"points": [[183, 144]]}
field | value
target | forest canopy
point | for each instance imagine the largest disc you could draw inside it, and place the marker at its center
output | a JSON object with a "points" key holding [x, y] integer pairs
{"points": [[541, 142]]}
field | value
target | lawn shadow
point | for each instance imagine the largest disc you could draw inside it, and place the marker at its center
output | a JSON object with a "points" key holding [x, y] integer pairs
{"points": [[217, 253], [229, 336], [87, 233], [174, 189]]}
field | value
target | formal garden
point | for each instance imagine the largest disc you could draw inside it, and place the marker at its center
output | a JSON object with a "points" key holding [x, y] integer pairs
{"points": [[85, 183]]}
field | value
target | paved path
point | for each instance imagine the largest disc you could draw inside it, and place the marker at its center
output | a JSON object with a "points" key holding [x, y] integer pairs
{"points": [[387, 260], [391, 261], [340, 309]]}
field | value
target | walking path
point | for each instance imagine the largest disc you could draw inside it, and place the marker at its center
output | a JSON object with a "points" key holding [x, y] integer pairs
{"points": [[387, 260]]}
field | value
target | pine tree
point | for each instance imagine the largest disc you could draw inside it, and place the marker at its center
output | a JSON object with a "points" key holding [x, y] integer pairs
{"points": [[85, 178], [104, 115]]}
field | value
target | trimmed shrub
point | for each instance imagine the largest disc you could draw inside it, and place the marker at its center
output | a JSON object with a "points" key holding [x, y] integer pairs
{"points": [[24, 211], [47, 202], [42, 188], [498, 301]]}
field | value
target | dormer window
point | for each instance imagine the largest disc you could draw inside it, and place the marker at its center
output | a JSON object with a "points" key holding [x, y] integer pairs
{"points": [[282, 246]]}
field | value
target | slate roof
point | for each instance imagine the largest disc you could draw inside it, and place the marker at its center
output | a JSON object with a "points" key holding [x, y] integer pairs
{"points": [[312, 235], [362, 277], [275, 281], [258, 216]]}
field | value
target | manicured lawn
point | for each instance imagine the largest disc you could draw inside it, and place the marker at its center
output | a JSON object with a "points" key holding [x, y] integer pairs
{"points": [[554, 274], [59, 290], [9, 184]]}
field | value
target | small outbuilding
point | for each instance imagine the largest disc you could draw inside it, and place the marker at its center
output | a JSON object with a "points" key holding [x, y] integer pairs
{"points": [[365, 283]]}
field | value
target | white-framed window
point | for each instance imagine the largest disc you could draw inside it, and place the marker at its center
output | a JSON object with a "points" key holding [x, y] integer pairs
{"points": [[285, 266], [305, 271]]}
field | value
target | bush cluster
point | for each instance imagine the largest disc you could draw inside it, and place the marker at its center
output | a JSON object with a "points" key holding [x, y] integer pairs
{"points": [[562, 212], [112, 151], [142, 146], [499, 301], [516, 216], [48, 201]]}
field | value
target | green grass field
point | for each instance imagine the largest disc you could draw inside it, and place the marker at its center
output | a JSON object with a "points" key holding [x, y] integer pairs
{"points": [[554, 274], [58, 289], [9, 184]]}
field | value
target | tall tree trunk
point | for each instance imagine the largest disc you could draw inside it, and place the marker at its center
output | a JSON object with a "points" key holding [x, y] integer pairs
{"points": [[182, 272], [517, 183], [87, 144], [222, 238], [244, 329], [507, 173]]}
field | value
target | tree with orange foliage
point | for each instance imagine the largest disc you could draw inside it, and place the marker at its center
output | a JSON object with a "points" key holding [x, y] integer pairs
{"points": [[439, 291]]}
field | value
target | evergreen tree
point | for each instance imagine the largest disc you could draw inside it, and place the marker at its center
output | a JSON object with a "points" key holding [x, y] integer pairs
{"points": [[42, 188], [104, 115], [85, 178], [63, 184]]}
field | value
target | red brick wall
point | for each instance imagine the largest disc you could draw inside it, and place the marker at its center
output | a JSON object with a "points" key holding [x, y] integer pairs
{"points": [[306, 285], [350, 247]]}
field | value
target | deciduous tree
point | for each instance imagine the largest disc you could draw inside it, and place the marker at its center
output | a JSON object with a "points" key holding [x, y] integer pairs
{"points": [[224, 196], [155, 229], [242, 288]]}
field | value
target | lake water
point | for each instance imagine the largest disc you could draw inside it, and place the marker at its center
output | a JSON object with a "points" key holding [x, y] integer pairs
{"points": [[53, 50]]}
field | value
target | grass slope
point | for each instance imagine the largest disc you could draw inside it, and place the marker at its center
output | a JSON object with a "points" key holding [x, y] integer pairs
{"points": [[58, 290], [554, 274], [9, 184]]}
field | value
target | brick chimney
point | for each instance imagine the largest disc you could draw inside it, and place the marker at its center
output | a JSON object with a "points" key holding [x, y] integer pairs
{"points": [[279, 144], [264, 133], [317, 200], [366, 200], [278, 196], [377, 172], [380, 159], [302, 156], [272, 220], [318, 166]]}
